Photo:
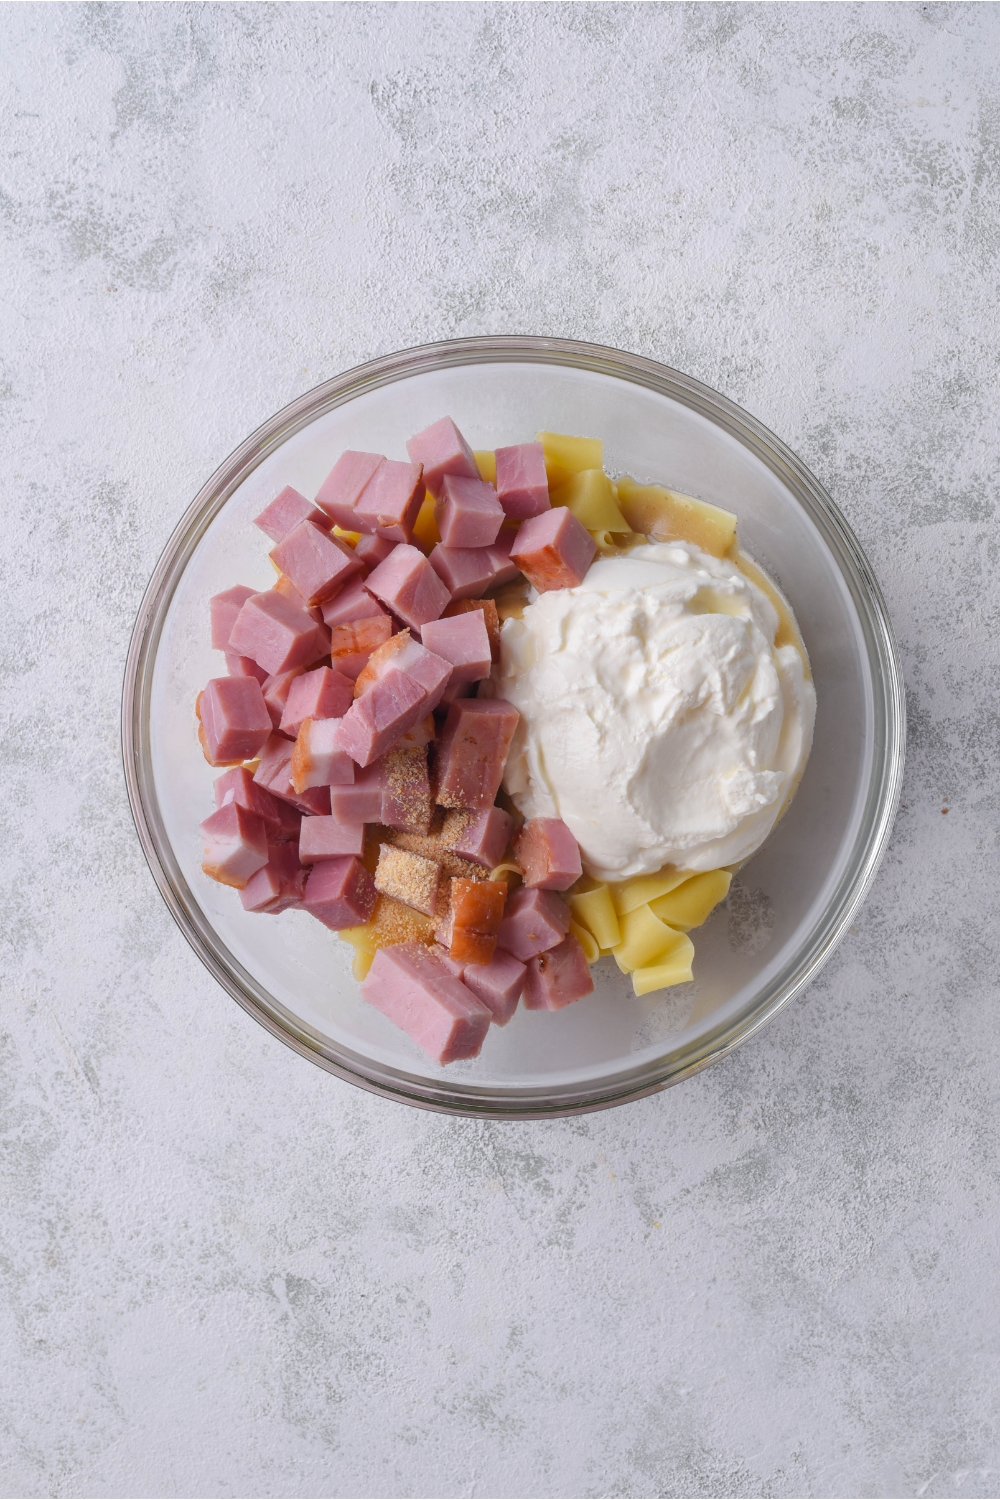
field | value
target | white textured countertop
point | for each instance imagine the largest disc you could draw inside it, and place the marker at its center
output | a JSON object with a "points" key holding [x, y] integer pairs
{"points": [[225, 1272]]}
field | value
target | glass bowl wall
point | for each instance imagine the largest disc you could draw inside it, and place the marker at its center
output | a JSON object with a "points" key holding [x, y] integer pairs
{"points": [[793, 900]]}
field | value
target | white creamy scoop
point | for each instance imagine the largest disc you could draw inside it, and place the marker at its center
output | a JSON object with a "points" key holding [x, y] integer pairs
{"points": [[658, 719]]}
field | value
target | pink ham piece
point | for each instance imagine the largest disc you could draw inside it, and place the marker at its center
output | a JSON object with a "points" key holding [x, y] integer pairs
{"points": [[472, 751], [352, 602], [351, 646], [400, 686], [322, 694], [244, 666], [277, 633], [341, 489], [442, 449], [286, 588], [554, 550], [467, 512], [376, 720], [497, 984], [284, 514], [478, 835], [281, 821], [548, 854], [328, 838], [223, 609], [360, 802], [232, 713], [235, 845], [318, 564], [504, 569], [406, 790], [274, 774], [533, 922], [390, 501], [279, 885], [408, 585], [317, 759], [522, 484], [462, 640], [418, 992], [339, 893], [276, 690], [371, 550], [557, 977], [464, 571]]}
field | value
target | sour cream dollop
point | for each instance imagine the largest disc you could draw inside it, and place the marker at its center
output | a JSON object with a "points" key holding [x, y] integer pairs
{"points": [[658, 718]]}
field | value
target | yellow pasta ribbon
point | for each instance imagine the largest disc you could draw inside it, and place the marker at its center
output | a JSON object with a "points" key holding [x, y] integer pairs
{"points": [[690, 904], [665, 515], [645, 940], [352, 538], [589, 495], [595, 911], [628, 894], [587, 941], [486, 463], [674, 969], [425, 527], [362, 940], [565, 455]]}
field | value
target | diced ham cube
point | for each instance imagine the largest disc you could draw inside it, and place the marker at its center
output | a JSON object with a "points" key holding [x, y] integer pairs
{"points": [[469, 931], [322, 694], [497, 984], [317, 563], [231, 716], [406, 655], [279, 885], [351, 646], [468, 513], [442, 449], [275, 774], [409, 878], [451, 964], [317, 759], [352, 602], [277, 634], [534, 922], [414, 988], [408, 585], [406, 789], [548, 854], [371, 550], [341, 489], [286, 588], [235, 845], [223, 609], [464, 641], [329, 838], [339, 893], [472, 751], [285, 513], [276, 690], [360, 802], [464, 571], [391, 500], [376, 720], [281, 821], [557, 977], [491, 619], [244, 666], [505, 570], [522, 484], [554, 550], [480, 835]]}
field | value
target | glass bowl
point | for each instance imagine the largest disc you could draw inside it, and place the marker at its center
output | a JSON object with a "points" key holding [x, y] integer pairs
{"points": [[789, 905]]}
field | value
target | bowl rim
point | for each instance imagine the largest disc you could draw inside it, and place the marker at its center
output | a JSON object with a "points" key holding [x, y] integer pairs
{"points": [[889, 730]]}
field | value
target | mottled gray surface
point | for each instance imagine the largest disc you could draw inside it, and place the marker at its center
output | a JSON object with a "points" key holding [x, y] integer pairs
{"points": [[225, 1272]]}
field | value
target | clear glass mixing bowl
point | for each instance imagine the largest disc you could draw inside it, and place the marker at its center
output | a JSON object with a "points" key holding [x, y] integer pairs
{"points": [[790, 904]]}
